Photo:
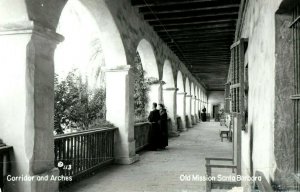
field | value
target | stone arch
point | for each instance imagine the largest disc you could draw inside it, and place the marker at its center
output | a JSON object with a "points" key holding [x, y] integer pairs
{"points": [[180, 82], [181, 102], [114, 52], [167, 75], [187, 86], [147, 55], [188, 103]]}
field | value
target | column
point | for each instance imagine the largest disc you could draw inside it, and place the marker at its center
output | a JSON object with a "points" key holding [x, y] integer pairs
{"points": [[27, 103], [120, 112], [181, 109], [193, 110], [188, 101], [169, 98], [196, 109]]}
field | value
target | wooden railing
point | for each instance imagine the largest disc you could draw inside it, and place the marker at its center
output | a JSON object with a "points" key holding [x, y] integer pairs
{"points": [[262, 184], [211, 184], [78, 154], [4, 163], [141, 135]]}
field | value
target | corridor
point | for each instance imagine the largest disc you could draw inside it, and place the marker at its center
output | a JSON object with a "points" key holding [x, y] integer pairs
{"points": [[160, 170]]}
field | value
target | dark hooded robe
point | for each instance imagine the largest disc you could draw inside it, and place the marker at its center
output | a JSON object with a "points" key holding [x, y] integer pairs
{"points": [[204, 114], [154, 133], [163, 128]]}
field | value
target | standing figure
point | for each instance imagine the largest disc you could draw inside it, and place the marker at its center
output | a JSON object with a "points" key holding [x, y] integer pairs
{"points": [[163, 126], [204, 114], [154, 133]]}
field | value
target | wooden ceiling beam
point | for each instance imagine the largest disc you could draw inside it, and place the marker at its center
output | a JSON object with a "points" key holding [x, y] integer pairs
{"points": [[198, 36], [203, 40], [145, 3], [196, 33], [193, 20], [190, 14], [205, 25], [193, 27], [187, 7]]}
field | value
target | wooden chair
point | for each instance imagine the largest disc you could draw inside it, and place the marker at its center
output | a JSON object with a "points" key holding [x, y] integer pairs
{"points": [[263, 185], [215, 184], [224, 133]]}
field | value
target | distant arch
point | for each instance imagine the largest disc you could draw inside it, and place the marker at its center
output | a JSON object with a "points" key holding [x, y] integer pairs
{"points": [[180, 83], [187, 86], [168, 76], [148, 59]]}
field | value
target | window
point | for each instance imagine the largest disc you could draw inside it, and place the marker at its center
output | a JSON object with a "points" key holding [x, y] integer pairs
{"points": [[237, 87], [237, 76], [227, 97]]}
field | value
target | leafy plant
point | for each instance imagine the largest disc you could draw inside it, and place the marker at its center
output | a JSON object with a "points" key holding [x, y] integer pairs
{"points": [[75, 106]]}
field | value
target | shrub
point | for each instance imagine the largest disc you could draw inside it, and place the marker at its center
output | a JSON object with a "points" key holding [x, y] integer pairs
{"points": [[75, 106]]}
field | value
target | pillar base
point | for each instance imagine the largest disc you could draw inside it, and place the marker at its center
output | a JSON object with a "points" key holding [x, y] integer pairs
{"points": [[127, 160], [183, 130], [174, 134], [50, 182]]}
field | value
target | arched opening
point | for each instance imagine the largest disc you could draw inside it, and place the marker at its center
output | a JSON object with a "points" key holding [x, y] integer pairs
{"points": [[181, 102], [79, 72], [147, 82], [188, 103], [168, 76], [148, 60], [193, 103], [169, 95], [141, 89]]}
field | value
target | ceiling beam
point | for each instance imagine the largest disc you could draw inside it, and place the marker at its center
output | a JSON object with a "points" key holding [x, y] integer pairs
{"points": [[219, 31], [190, 14], [187, 7], [143, 3], [193, 20], [193, 27]]}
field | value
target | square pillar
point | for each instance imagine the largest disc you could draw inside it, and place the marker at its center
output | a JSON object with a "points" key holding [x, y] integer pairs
{"points": [[193, 110], [120, 112], [169, 95], [181, 109], [188, 101], [27, 103]]}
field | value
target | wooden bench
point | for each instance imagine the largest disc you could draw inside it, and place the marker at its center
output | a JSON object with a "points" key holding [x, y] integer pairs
{"points": [[224, 133], [4, 162], [211, 184]]}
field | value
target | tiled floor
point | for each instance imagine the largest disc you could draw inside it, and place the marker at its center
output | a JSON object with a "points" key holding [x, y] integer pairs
{"points": [[160, 171]]}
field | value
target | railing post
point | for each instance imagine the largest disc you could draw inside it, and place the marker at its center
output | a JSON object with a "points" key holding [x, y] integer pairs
{"points": [[208, 181]]}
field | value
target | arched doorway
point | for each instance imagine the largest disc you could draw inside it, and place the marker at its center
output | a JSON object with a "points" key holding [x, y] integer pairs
{"points": [[181, 102], [146, 58], [79, 72], [188, 103], [169, 96]]}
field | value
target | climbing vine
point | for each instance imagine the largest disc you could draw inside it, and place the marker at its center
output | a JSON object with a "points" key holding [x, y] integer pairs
{"points": [[141, 89]]}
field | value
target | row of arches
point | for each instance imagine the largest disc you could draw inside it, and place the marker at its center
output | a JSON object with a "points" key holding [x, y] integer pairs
{"points": [[30, 54]]}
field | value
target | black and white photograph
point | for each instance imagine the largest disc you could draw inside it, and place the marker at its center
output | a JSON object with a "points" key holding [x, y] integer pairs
{"points": [[149, 95]]}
